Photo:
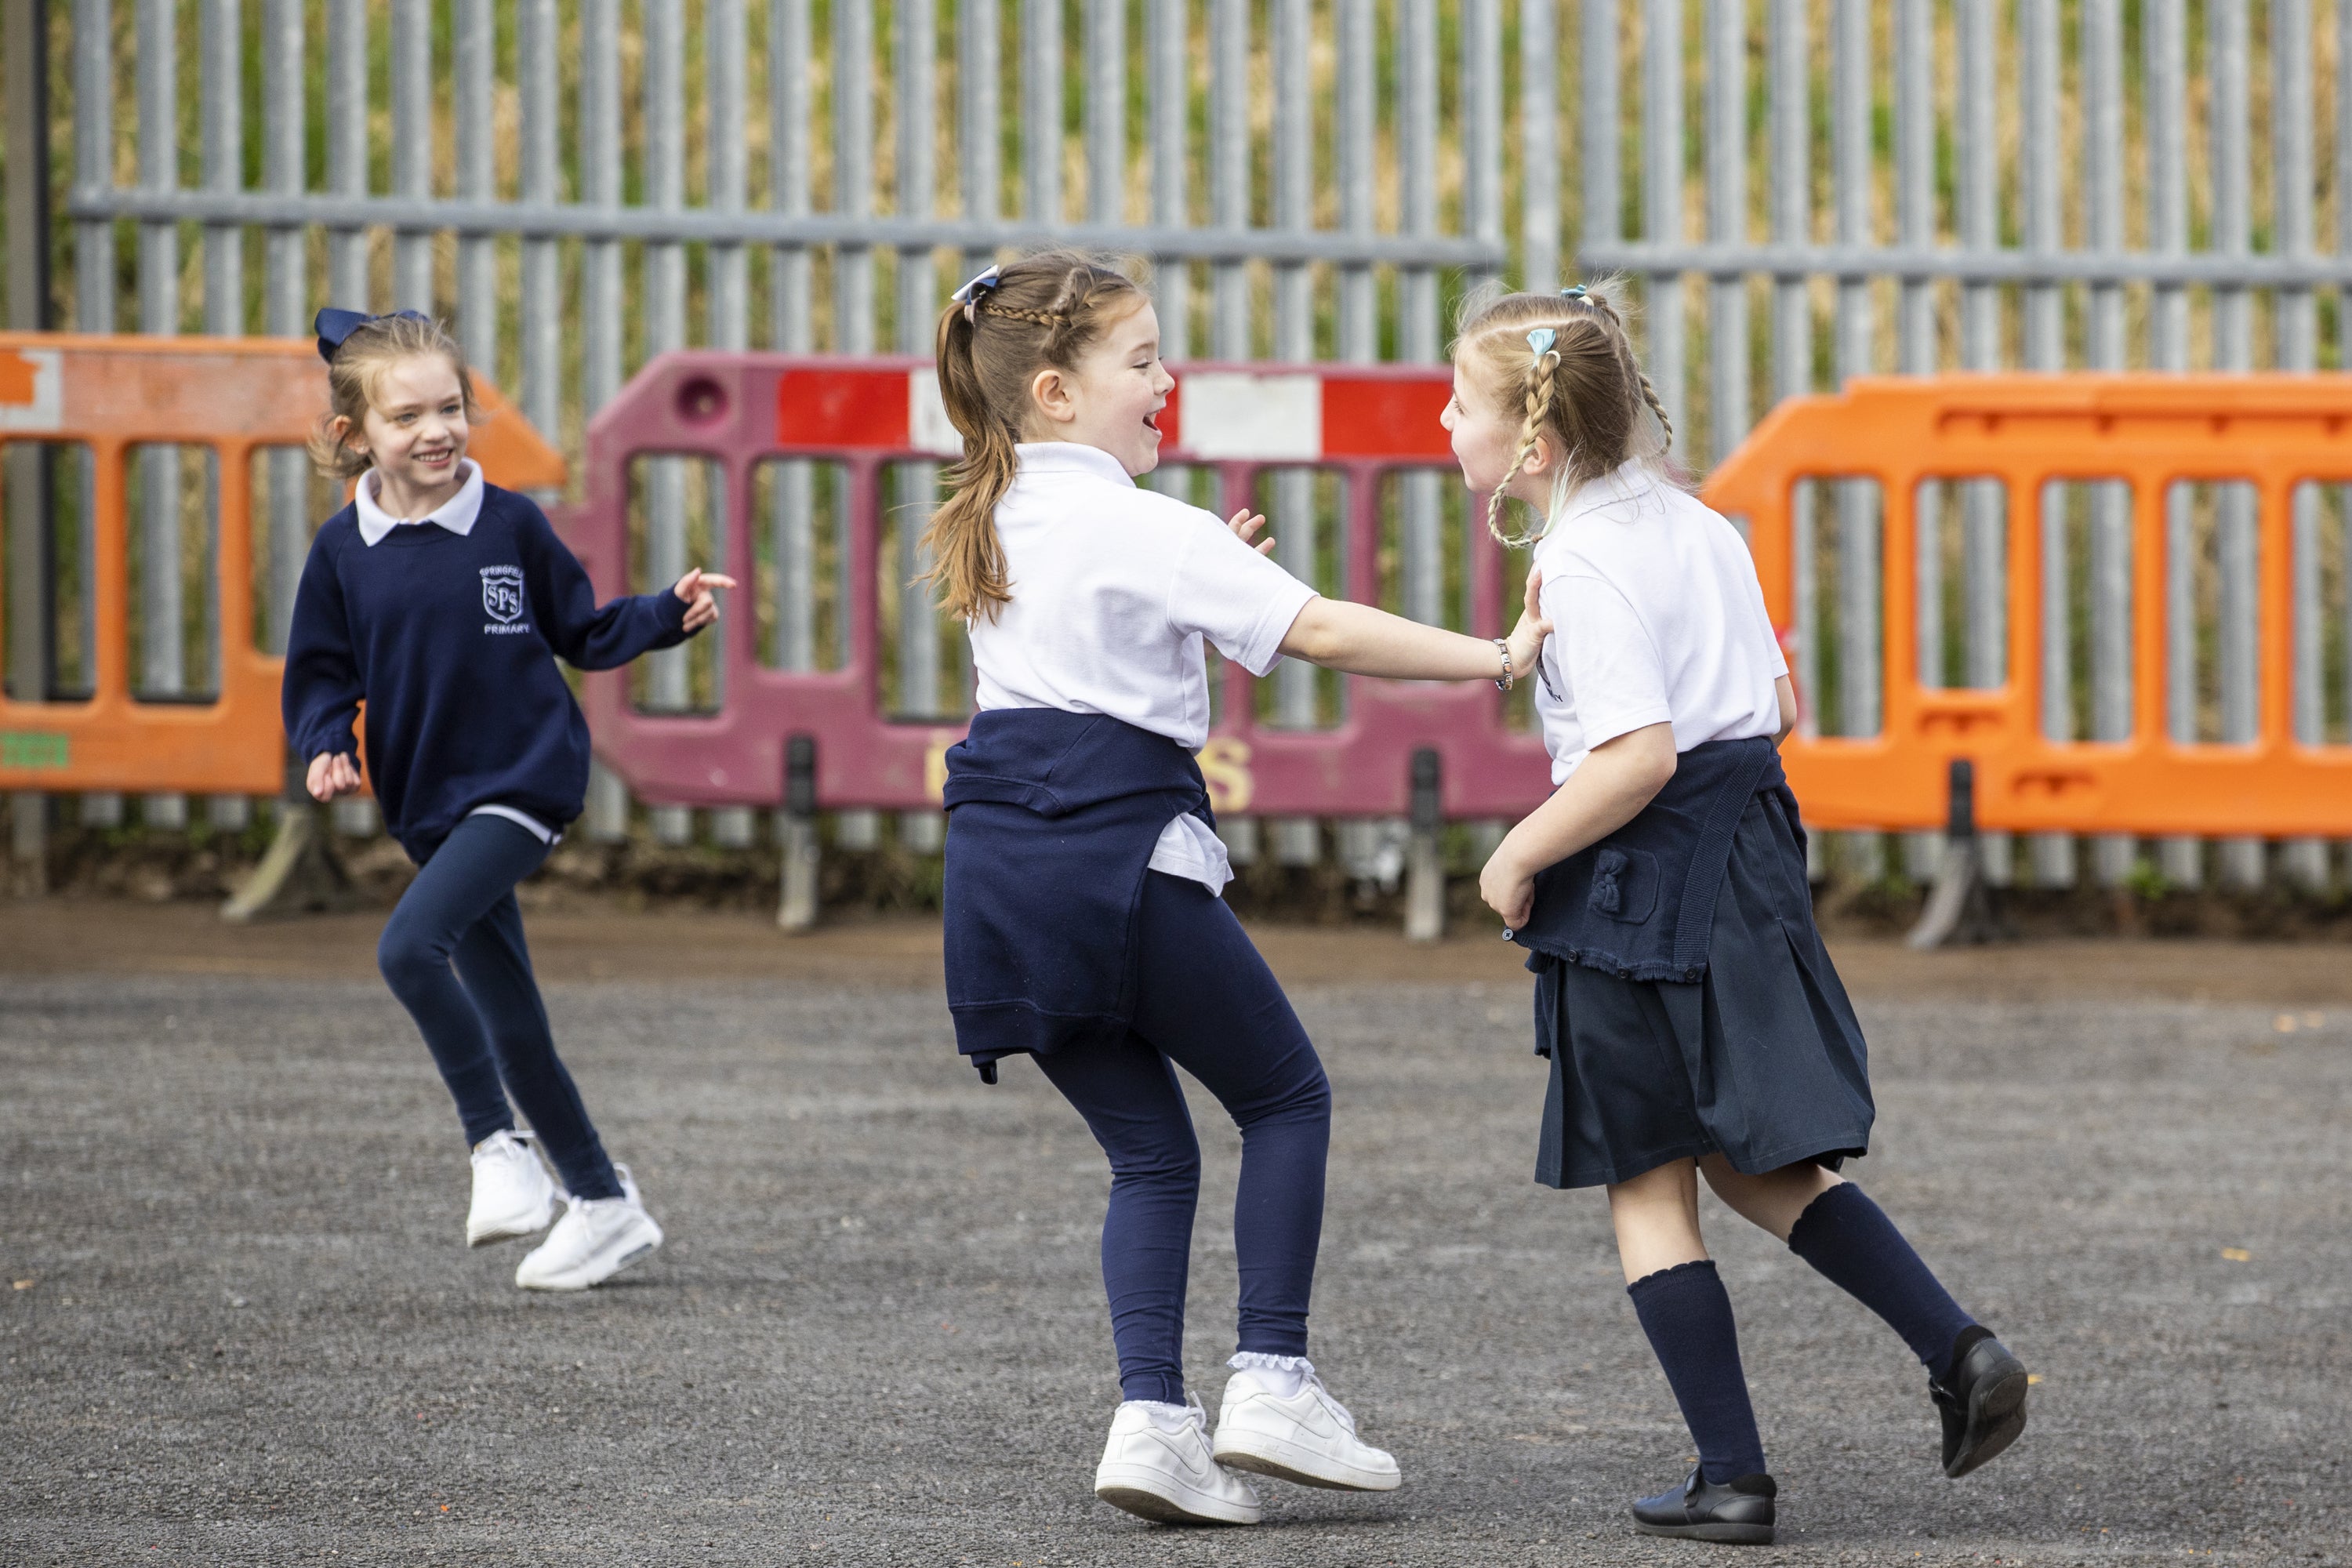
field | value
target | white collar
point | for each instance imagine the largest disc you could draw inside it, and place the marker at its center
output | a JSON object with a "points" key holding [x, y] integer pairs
{"points": [[1632, 481], [1070, 458], [457, 514]]}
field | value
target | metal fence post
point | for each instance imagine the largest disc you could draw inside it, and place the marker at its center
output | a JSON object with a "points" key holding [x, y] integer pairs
{"points": [[1862, 648], [1984, 553], [2163, 27], [30, 569], [1661, 201], [1539, 215], [2228, 73], [2045, 350], [2111, 501], [1726, 221], [923, 831], [160, 597], [602, 295], [2295, 337], [1915, 347]]}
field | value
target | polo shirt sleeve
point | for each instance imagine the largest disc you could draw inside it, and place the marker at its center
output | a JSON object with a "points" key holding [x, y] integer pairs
{"points": [[1614, 673], [1238, 599]]}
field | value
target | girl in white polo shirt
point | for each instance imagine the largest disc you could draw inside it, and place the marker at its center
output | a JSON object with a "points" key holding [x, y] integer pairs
{"points": [[1084, 922], [1694, 1024]]}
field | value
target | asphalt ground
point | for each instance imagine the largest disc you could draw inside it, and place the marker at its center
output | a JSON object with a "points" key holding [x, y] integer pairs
{"points": [[244, 1329]]}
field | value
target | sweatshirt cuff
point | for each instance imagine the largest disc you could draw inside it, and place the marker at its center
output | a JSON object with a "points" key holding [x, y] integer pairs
{"points": [[670, 610]]}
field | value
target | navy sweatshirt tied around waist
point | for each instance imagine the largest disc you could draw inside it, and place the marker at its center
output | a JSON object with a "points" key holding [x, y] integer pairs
{"points": [[1052, 820], [1640, 902], [452, 640]]}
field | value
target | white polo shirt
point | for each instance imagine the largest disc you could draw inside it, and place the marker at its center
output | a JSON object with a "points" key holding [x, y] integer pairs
{"points": [[1115, 588], [1657, 617]]}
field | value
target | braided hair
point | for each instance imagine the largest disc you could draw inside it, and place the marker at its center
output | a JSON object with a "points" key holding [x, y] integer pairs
{"points": [[1584, 388], [1003, 328]]}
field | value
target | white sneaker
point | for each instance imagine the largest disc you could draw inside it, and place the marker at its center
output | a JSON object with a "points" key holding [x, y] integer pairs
{"points": [[595, 1239], [1157, 1466], [1280, 1421], [513, 1194]]}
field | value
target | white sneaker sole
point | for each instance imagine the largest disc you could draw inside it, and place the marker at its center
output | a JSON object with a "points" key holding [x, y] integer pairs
{"points": [[632, 1245], [1163, 1499], [512, 1227], [1264, 1454]]}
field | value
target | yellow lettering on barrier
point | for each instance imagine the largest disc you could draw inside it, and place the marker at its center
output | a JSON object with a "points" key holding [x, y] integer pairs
{"points": [[1224, 768], [935, 763]]}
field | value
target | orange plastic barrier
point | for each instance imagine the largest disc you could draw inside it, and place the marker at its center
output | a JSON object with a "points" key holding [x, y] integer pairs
{"points": [[232, 394], [2273, 432]]}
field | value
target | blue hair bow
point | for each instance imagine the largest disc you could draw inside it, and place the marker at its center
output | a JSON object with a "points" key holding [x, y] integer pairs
{"points": [[1574, 291], [333, 326], [1542, 339], [969, 295]]}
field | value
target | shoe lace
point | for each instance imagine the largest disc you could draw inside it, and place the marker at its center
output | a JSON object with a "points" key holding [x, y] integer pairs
{"points": [[1330, 1402]]}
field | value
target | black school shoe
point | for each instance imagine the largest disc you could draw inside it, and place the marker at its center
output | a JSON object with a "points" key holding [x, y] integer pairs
{"points": [[1733, 1513], [1983, 1404]]}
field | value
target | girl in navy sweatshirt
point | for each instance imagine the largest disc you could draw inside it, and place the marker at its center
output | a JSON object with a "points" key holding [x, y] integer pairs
{"points": [[443, 602]]}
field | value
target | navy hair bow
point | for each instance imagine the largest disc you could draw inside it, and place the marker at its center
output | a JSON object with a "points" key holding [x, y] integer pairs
{"points": [[333, 326]]}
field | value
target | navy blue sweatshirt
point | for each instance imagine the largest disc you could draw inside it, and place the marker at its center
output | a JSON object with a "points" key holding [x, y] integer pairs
{"points": [[453, 643]]}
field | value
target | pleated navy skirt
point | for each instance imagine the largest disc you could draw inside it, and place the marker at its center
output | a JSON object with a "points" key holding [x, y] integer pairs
{"points": [[1761, 1060]]}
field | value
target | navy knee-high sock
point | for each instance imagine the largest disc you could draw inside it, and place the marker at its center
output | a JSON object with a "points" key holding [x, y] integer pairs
{"points": [[1850, 1239], [1687, 1315]]}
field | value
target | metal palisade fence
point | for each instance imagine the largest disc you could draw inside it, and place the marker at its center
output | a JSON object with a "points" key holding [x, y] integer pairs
{"points": [[1803, 191]]}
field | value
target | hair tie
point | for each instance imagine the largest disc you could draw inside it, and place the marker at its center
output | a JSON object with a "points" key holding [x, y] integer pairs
{"points": [[969, 296], [1573, 292], [1542, 339], [333, 326]]}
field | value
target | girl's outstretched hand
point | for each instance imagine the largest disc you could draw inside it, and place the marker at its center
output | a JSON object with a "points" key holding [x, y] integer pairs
{"points": [[332, 774], [1528, 637], [1246, 524], [701, 604]]}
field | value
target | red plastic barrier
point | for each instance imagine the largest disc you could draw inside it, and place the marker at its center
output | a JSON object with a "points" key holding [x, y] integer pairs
{"points": [[738, 410]]}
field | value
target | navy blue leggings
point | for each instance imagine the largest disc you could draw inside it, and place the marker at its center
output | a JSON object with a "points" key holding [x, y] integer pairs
{"points": [[1206, 1003], [482, 1019]]}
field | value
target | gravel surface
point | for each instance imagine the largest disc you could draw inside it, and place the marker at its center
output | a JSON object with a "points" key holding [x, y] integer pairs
{"points": [[244, 1329]]}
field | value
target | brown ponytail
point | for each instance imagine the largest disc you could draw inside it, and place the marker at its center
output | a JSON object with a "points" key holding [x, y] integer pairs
{"points": [[1044, 310]]}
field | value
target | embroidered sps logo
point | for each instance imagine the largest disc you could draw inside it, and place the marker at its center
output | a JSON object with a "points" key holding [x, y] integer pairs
{"points": [[502, 593]]}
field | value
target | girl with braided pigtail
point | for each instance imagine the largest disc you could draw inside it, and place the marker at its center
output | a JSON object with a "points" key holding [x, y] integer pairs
{"points": [[1085, 926], [1695, 1023]]}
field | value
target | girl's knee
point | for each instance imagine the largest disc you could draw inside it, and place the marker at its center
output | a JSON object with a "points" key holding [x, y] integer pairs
{"points": [[1169, 1161], [407, 958]]}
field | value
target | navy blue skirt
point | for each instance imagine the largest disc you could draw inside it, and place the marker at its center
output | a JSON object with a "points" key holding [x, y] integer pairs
{"points": [[1761, 1060]]}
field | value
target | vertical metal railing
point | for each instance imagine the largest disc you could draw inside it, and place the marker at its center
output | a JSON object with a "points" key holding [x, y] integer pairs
{"points": [[2145, 210]]}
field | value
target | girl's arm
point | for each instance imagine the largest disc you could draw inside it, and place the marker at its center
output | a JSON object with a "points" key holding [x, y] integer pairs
{"points": [[1786, 692], [1608, 790], [587, 635], [1340, 634], [320, 696]]}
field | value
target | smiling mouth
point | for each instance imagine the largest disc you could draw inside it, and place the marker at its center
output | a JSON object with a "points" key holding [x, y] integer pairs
{"points": [[1151, 422]]}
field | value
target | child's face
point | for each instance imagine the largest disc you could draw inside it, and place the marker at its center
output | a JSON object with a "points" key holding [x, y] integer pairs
{"points": [[1484, 438], [414, 428], [1112, 398]]}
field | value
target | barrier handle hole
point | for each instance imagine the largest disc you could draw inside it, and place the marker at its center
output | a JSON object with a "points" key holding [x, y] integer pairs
{"points": [[701, 401]]}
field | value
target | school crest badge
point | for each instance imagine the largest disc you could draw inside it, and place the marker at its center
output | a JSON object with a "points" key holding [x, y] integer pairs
{"points": [[502, 593]]}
